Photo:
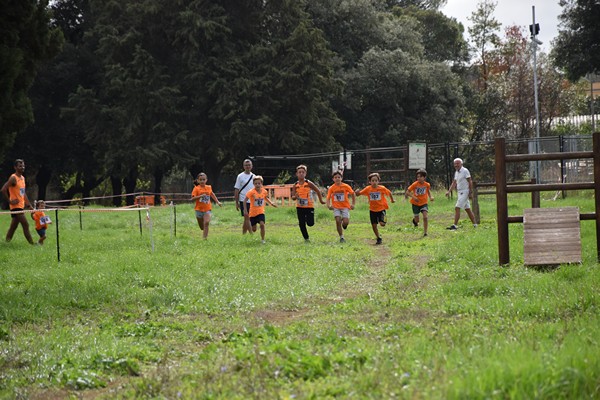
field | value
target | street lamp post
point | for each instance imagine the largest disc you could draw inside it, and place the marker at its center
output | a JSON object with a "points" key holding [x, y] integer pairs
{"points": [[535, 29]]}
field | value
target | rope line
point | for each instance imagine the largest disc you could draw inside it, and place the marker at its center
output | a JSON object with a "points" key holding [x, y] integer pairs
{"points": [[79, 210]]}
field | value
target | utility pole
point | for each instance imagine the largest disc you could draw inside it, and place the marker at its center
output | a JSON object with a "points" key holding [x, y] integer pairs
{"points": [[535, 29]]}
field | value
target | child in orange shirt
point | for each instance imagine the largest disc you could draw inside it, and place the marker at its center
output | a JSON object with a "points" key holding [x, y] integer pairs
{"points": [[202, 193], [337, 200], [41, 220], [257, 198], [419, 192], [301, 193], [377, 203]]}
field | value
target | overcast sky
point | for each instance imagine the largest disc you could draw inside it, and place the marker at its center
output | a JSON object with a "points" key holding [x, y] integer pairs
{"points": [[513, 12]]}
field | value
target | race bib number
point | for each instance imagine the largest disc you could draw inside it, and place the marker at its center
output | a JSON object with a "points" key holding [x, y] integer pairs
{"points": [[45, 220], [302, 202], [22, 191], [259, 202], [339, 197], [205, 199], [421, 191], [375, 196]]}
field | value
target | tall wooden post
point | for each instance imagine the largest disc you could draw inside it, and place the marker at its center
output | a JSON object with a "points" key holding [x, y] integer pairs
{"points": [[502, 202], [596, 147]]}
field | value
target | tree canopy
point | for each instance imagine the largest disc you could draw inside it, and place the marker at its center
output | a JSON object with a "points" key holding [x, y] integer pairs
{"points": [[577, 47], [26, 39]]}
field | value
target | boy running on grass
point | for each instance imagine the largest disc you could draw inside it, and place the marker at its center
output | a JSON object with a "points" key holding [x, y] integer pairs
{"points": [[41, 221], [257, 198], [202, 193], [337, 200], [301, 193], [377, 203], [419, 192]]}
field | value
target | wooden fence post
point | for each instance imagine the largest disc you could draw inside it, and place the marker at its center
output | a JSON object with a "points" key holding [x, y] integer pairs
{"points": [[502, 202]]}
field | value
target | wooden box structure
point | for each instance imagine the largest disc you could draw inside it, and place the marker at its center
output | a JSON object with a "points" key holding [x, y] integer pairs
{"points": [[551, 236]]}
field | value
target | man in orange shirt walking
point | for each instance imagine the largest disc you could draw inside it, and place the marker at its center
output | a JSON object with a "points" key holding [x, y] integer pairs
{"points": [[14, 191], [377, 203]]}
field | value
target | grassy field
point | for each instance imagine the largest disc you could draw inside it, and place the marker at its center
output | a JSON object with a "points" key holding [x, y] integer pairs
{"points": [[167, 315]]}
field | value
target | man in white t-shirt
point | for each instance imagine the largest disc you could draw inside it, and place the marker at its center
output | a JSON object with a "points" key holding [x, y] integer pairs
{"points": [[464, 187], [242, 185]]}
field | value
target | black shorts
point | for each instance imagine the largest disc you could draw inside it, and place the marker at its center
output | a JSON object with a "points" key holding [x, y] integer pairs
{"points": [[377, 217], [419, 209], [255, 220], [242, 207], [16, 215]]}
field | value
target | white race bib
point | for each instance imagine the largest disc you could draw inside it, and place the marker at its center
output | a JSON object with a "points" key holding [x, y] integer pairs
{"points": [[375, 196]]}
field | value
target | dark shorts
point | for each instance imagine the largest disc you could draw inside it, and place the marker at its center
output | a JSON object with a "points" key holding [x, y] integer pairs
{"points": [[242, 207], [41, 232], [419, 209], [257, 219], [306, 215], [377, 217], [16, 215]]}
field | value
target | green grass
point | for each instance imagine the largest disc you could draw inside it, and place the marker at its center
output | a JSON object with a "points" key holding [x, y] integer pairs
{"points": [[226, 318]]}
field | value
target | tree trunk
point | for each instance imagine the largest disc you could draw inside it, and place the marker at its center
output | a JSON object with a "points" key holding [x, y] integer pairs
{"points": [[158, 177], [43, 179], [129, 182], [116, 189], [89, 184]]}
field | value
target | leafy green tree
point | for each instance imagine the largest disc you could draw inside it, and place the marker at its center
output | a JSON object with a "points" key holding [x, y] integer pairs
{"points": [[201, 83], [442, 37], [577, 47], [395, 87], [53, 144], [484, 35], [393, 97], [130, 115], [26, 40]]}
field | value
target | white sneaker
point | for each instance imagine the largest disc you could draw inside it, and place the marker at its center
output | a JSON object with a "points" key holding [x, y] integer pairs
{"points": [[474, 225], [263, 241]]}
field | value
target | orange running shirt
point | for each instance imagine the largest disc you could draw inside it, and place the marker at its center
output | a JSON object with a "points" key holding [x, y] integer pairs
{"points": [[339, 195], [257, 201], [17, 192], [377, 200], [421, 190], [303, 195], [41, 220], [203, 204]]}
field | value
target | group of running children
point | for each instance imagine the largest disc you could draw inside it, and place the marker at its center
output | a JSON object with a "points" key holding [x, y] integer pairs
{"points": [[341, 198]]}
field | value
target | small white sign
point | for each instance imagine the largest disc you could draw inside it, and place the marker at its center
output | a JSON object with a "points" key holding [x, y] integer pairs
{"points": [[417, 155]]}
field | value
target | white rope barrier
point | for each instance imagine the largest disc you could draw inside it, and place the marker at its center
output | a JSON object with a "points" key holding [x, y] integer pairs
{"points": [[133, 208]]}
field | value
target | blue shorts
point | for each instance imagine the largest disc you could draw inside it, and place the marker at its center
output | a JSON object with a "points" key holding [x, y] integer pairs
{"points": [[200, 214], [257, 219], [41, 232]]}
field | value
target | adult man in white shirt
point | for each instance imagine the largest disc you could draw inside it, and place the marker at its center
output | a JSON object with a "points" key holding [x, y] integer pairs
{"points": [[464, 187], [242, 185]]}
